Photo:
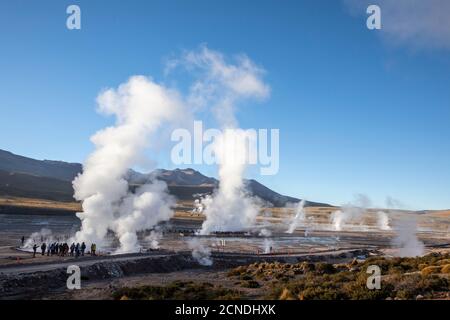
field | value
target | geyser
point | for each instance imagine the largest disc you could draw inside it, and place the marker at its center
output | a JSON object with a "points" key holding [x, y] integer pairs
{"points": [[141, 107]]}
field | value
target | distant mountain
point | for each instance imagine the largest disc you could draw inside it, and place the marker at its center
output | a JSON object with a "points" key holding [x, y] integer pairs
{"points": [[31, 186], [176, 177], [11, 162], [26, 177], [278, 200]]}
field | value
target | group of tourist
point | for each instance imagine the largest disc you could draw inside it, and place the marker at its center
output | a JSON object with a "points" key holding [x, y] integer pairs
{"points": [[63, 249]]}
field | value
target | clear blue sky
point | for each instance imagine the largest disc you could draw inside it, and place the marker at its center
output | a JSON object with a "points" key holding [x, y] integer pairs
{"points": [[357, 112]]}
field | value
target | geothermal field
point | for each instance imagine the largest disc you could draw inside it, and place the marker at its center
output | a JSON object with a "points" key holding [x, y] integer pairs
{"points": [[198, 141], [176, 253]]}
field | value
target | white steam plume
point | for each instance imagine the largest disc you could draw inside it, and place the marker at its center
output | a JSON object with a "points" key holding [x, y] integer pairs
{"points": [[405, 226], [230, 208], [223, 85], [299, 217], [44, 235], [200, 253], [406, 241], [350, 212], [268, 243], [265, 232], [141, 107], [154, 237], [383, 221]]}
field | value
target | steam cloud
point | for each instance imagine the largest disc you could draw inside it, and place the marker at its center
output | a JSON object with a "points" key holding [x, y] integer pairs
{"points": [[406, 241], [405, 226], [44, 235], [154, 237], [222, 86], [200, 253], [383, 221], [298, 218], [350, 212], [140, 106], [354, 212]]}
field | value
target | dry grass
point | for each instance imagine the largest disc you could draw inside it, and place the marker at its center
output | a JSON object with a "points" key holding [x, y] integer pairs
{"points": [[439, 213], [177, 290], [39, 203], [401, 279]]}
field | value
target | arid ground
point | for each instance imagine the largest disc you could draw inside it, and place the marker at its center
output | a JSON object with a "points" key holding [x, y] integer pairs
{"points": [[245, 265]]}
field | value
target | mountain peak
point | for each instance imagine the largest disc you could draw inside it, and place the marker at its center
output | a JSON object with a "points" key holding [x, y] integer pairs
{"points": [[53, 180]]}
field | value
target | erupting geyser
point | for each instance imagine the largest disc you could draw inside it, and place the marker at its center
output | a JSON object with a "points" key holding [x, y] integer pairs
{"points": [[221, 86], [140, 106], [298, 218], [230, 208], [406, 241]]}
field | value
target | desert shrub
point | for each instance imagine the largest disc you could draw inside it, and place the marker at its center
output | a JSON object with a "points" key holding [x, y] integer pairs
{"points": [[445, 269], [402, 265], [431, 270], [398, 281], [177, 290], [403, 278], [422, 266], [250, 284], [246, 276], [286, 295], [237, 271], [443, 262], [408, 287], [325, 268], [307, 266]]}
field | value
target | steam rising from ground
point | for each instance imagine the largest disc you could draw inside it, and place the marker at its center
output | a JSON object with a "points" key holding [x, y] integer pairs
{"points": [[383, 221], [268, 243], [154, 237], [222, 86], [140, 107], [44, 235], [299, 217], [405, 226], [230, 208], [200, 253], [350, 212], [354, 213], [406, 240]]}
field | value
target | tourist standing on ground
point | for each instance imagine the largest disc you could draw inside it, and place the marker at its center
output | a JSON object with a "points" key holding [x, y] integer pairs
{"points": [[77, 250], [83, 247]]}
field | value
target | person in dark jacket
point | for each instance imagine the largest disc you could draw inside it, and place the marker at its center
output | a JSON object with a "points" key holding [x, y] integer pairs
{"points": [[83, 247], [34, 250], [77, 250], [43, 247]]}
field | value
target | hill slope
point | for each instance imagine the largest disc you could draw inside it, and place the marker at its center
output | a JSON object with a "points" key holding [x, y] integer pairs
{"points": [[10, 162], [52, 180]]}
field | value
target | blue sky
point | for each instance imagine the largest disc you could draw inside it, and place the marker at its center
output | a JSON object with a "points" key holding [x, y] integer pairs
{"points": [[359, 111]]}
